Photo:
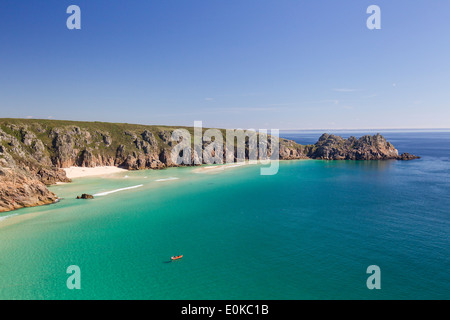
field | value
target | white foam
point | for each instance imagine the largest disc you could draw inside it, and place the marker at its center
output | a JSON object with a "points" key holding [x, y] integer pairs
{"points": [[220, 167], [167, 179], [117, 190], [234, 165], [7, 217]]}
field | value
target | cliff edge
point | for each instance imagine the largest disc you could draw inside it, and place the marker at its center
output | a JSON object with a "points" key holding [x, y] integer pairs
{"points": [[33, 153]]}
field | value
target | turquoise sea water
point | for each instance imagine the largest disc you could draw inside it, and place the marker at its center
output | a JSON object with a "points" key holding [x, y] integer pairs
{"points": [[309, 232]]}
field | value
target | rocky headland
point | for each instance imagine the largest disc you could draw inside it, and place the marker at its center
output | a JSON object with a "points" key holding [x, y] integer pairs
{"points": [[33, 153]]}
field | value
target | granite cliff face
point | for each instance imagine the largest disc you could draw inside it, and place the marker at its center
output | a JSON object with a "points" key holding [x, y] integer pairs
{"points": [[331, 147], [20, 188], [32, 153], [25, 170]]}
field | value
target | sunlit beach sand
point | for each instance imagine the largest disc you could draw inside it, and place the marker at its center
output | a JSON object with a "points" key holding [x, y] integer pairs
{"points": [[81, 172]]}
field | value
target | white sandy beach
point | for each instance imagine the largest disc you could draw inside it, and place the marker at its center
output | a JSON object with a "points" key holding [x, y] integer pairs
{"points": [[220, 167], [81, 172]]}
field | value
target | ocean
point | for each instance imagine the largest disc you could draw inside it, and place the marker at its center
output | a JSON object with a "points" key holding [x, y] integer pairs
{"points": [[308, 232]]}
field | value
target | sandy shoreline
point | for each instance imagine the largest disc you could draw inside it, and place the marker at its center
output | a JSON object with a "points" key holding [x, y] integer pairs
{"points": [[220, 167], [81, 172]]}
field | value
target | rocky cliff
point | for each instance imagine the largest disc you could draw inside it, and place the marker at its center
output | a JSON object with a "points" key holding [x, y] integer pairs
{"points": [[331, 147], [32, 153]]}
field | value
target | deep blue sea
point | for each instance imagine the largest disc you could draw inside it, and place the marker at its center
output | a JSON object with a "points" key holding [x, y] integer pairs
{"points": [[308, 232], [431, 144]]}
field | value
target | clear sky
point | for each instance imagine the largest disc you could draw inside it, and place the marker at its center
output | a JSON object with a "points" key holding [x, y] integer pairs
{"points": [[286, 64]]}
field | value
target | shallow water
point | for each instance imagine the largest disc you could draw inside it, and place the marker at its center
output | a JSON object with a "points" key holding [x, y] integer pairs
{"points": [[309, 232]]}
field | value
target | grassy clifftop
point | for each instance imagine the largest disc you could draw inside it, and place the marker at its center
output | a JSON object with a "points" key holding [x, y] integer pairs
{"points": [[132, 146], [33, 151], [97, 132]]}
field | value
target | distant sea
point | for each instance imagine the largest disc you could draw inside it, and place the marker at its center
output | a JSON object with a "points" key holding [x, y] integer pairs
{"points": [[309, 232]]}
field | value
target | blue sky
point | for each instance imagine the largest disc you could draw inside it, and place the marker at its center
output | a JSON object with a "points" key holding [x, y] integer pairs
{"points": [[286, 64]]}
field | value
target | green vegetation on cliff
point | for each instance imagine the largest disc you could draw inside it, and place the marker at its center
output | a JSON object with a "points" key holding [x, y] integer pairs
{"points": [[32, 152]]}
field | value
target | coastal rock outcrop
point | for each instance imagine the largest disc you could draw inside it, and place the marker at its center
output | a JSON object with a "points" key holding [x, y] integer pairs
{"points": [[407, 156], [331, 147], [33, 153], [290, 150], [85, 196], [20, 188]]}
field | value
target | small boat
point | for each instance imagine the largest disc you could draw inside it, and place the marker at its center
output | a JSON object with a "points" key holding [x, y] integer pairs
{"points": [[176, 257]]}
